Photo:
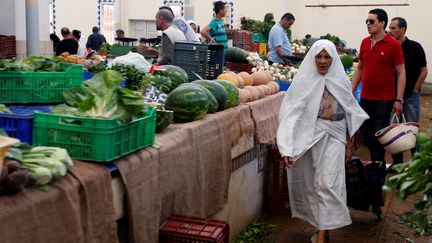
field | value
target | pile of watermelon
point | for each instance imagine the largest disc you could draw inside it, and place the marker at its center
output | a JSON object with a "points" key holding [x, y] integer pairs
{"points": [[190, 101]]}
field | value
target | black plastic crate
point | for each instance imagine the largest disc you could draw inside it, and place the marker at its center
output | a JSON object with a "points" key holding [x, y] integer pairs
{"points": [[206, 60]]}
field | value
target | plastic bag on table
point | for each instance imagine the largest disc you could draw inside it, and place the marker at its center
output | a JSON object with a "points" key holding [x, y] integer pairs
{"points": [[132, 59]]}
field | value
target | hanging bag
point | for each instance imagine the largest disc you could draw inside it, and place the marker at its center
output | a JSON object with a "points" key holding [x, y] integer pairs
{"points": [[398, 137]]}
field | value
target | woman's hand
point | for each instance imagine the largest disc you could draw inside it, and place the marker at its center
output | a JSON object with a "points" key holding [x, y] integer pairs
{"points": [[288, 161]]}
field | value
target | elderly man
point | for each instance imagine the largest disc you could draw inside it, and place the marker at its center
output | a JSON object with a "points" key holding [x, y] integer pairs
{"points": [[181, 24], [170, 35], [279, 44], [68, 44]]}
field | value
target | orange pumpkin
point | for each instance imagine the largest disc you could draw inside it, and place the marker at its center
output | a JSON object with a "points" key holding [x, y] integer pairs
{"points": [[245, 96], [267, 90], [247, 78], [228, 77], [272, 88], [269, 76], [275, 85], [254, 92], [261, 92], [259, 78]]}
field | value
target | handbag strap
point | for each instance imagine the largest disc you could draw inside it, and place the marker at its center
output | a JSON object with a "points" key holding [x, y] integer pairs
{"points": [[395, 116]]}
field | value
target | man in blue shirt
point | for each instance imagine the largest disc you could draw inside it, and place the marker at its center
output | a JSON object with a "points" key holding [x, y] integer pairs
{"points": [[278, 42]]}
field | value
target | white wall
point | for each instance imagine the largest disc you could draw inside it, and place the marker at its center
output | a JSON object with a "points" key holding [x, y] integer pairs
{"points": [[255, 9], [349, 22], [7, 17], [77, 14]]}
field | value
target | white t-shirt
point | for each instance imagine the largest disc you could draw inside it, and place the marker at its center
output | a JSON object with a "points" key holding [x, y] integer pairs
{"points": [[184, 27], [82, 51]]}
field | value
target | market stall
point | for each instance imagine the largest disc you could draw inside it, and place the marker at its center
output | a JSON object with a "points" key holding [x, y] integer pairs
{"points": [[189, 173]]}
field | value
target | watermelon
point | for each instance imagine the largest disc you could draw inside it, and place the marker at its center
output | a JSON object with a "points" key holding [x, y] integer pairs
{"points": [[217, 90], [235, 54], [160, 82], [188, 102], [233, 93], [213, 104], [176, 74], [163, 119]]}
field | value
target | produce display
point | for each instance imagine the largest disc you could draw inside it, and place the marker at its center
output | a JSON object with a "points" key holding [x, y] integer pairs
{"points": [[177, 75], [4, 109], [102, 97], [75, 59], [133, 76], [25, 165], [217, 90], [189, 103], [277, 71], [163, 119], [233, 93], [213, 103], [31, 64], [238, 55]]}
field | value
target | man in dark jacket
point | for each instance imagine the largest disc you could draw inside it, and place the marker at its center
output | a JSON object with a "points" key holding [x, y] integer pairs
{"points": [[95, 40], [68, 44]]}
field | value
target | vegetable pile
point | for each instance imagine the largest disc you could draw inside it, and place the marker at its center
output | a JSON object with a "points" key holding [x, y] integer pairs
{"points": [[277, 71], [35, 166], [133, 76], [101, 97], [31, 64]]}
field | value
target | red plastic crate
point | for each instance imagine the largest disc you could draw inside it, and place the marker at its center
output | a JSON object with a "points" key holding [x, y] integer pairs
{"points": [[186, 229], [240, 67], [279, 197], [243, 39], [7, 46]]}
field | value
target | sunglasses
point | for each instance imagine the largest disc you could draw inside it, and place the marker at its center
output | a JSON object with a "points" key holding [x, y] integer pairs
{"points": [[370, 21]]}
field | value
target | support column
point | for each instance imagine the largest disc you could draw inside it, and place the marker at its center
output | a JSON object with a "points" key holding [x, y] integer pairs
{"points": [[32, 24]]}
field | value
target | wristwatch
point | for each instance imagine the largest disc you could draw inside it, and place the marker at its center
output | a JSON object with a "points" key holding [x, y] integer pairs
{"points": [[400, 101]]}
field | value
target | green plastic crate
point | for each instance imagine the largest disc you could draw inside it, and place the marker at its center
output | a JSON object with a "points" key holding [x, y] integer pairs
{"points": [[90, 139], [39, 87], [258, 38], [117, 50]]}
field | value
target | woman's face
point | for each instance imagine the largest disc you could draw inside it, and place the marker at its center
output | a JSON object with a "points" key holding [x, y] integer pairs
{"points": [[323, 62]]}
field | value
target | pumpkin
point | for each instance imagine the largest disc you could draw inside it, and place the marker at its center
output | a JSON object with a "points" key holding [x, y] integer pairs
{"points": [[272, 88], [269, 76], [259, 78], [239, 79], [267, 90], [228, 77], [245, 96], [275, 85], [261, 92], [247, 78], [254, 92]]}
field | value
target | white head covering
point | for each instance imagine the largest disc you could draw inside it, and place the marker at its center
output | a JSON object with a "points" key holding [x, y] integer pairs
{"points": [[300, 106]]}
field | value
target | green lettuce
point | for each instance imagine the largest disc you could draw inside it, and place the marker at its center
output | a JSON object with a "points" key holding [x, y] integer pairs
{"points": [[102, 97]]}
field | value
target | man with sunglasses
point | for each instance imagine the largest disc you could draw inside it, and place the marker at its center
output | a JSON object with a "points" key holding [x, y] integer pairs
{"points": [[416, 72], [380, 58]]}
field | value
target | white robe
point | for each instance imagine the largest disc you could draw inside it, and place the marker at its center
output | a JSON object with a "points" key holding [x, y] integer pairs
{"points": [[317, 179]]}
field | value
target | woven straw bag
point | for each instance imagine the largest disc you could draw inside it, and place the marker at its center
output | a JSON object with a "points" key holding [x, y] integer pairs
{"points": [[398, 137]]}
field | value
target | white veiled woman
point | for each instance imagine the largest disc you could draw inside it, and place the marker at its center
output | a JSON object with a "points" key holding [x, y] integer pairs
{"points": [[317, 117]]}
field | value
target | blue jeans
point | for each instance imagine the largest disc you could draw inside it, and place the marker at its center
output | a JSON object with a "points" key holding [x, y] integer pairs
{"points": [[412, 114]]}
